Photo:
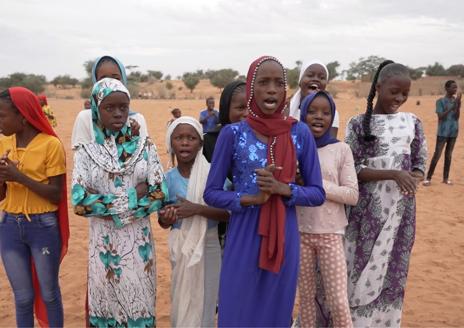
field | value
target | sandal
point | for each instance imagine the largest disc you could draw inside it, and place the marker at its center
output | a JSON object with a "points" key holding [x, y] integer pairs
{"points": [[426, 183]]}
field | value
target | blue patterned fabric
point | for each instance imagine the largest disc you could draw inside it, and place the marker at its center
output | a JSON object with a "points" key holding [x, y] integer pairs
{"points": [[250, 296], [448, 126]]}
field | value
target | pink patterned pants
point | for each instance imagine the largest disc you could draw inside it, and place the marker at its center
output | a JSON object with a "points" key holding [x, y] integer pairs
{"points": [[328, 249]]}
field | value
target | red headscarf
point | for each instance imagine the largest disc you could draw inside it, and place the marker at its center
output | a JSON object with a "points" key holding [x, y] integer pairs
{"points": [[29, 106], [281, 152]]}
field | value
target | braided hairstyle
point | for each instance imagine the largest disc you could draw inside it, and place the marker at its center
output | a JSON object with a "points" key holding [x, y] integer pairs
{"points": [[386, 70], [370, 103]]}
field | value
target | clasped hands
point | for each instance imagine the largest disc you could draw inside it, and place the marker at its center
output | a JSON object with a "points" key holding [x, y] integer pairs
{"points": [[8, 169], [268, 185]]}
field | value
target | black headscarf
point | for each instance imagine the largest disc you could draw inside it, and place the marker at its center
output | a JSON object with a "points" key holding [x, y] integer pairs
{"points": [[224, 110], [224, 102]]}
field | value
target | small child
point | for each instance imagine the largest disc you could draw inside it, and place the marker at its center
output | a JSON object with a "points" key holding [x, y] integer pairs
{"points": [[34, 229], [194, 247], [389, 153], [176, 113], [322, 228]]}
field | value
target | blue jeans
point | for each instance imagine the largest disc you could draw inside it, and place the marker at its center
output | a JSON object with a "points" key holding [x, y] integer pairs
{"points": [[20, 242]]}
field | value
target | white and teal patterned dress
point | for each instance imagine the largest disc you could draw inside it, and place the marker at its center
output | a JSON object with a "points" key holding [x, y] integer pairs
{"points": [[122, 268]]}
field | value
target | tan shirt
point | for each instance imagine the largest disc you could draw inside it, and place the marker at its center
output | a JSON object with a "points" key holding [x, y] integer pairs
{"points": [[341, 188]]}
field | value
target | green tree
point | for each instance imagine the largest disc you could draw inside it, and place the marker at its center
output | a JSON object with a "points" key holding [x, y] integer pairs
{"points": [[364, 68], [292, 77], [168, 77], [190, 80], [86, 83], [416, 73], [35, 83], [88, 65], [64, 80], [436, 69], [135, 76], [456, 70], [222, 77], [155, 74], [332, 68]]}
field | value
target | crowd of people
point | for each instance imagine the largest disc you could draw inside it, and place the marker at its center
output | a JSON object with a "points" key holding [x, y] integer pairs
{"points": [[261, 199]]}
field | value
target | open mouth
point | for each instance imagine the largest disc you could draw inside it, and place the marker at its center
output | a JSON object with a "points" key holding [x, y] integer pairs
{"points": [[270, 103], [314, 86], [184, 153], [317, 127]]}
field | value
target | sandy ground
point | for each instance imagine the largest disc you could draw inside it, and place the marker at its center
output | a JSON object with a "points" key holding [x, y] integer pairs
{"points": [[434, 294]]}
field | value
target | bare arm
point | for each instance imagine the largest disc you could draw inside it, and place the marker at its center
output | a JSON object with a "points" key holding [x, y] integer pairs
{"points": [[405, 180], [2, 191]]}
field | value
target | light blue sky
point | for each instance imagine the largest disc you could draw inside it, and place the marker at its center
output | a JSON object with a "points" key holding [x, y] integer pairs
{"points": [[53, 37]]}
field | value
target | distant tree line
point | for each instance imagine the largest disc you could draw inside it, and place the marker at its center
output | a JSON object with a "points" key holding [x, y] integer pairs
{"points": [[362, 69]]}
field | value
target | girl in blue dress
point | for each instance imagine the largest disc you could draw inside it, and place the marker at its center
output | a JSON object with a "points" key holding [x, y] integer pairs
{"points": [[260, 265]]}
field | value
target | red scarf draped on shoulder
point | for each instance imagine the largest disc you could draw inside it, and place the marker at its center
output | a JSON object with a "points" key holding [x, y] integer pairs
{"points": [[28, 105], [277, 128]]}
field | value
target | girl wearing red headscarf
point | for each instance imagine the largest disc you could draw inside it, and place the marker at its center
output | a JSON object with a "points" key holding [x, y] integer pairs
{"points": [[34, 228], [261, 257]]}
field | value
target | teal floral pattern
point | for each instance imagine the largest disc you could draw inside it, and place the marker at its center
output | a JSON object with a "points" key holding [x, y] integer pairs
{"points": [[122, 266]]}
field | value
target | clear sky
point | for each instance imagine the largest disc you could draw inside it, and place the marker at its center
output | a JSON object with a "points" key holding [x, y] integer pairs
{"points": [[54, 37]]}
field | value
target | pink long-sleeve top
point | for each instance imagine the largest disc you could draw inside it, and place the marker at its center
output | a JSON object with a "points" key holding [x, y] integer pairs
{"points": [[341, 187]]}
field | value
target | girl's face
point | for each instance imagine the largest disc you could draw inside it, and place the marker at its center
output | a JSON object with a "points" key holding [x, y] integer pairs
{"points": [[238, 107], [319, 116], [314, 79], [392, 93], [452, 89], [185, 143], [108, 69], [10, 119], [114, 111], [269, 88]]}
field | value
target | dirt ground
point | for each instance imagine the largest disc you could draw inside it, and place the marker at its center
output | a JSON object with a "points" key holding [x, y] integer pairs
{"points": [[434, 294]]}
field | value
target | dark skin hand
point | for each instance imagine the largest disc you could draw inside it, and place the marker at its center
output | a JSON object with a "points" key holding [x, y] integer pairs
{"points": [[135, 127], [10, 172], [455, 109], [407, 181], [268, 185], [184, 209]]}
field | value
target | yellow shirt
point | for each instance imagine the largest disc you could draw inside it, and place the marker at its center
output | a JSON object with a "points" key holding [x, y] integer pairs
{"points": [[42, 158]]}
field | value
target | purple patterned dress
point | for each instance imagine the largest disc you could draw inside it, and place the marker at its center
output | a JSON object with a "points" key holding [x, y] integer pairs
{"points": [[381, 229]]}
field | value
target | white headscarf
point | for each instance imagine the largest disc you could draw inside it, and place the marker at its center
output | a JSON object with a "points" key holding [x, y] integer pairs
{"points": [[187, 244], [296, 98]]}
